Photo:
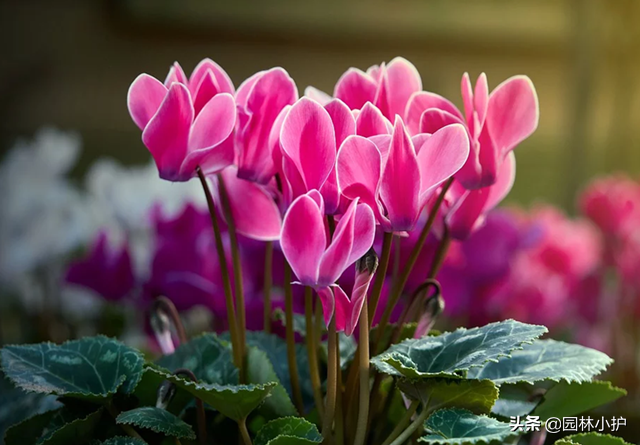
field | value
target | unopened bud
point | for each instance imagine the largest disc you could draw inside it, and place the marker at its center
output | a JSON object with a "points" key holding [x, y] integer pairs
{"points": [[161, 326], [165, 394], [368, 263]]}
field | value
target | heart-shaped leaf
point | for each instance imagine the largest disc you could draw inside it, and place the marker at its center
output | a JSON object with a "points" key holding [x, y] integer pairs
{"points": [[157, 420], [591, 439], [207, 356], [147, 391], [545, 360], [91, 368], [288, 431], [453, 354], [459, 426], [261, 370], [477, 396], [568, 399]]}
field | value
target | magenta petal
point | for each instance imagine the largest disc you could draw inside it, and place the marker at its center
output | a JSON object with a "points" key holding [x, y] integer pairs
{"points": [[400, 182], [303, 239], [504, 182], [371, 122], [467, 97], [318, 95], [328, 303], [466, 214], [364, 229], [343, 310], [243, 91], [207, 66], [176, 74], [209, 143], [308, 139], [144, 98], [434, 119], [422, 101], [401, 80], [441, 156], [204, 92], [355, 88], [481, 100], [513, 113], [359, 162], [360, 289], [344, 123], [335, 259], [253, 208], [167, 133]]}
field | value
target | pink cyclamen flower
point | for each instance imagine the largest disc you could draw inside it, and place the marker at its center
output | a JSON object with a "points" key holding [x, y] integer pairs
{"points": [[315, 261], [496, 123], [260, 99], [310, 137], [387, 86], [466, 210], [185, 123], [395, 175], [105, 270]]}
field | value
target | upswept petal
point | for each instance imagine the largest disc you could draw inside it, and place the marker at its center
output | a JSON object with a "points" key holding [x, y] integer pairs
{"points": [[335, 259], [358, 295], [422, 101], [167, 133], [513, 113], [371, 122], [344, 124], [467, 96], [145, 95], [255, 213], [222, 80], [274, 139], [308, 140], [434, 119], [270, 93], [400, 80], [364, 230], [481, 100], [207, 88], [343, 310], [441, 156], [303, 239], [467, 213], [176, 74], [400, 181], [328, 303], [318, 95], [355, 88]]}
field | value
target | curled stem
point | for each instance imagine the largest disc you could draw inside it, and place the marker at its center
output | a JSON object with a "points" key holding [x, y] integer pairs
{"points": [[291, 340], [332, 382], [166, 306], [312, 352], [268, 282], [224, 272]]}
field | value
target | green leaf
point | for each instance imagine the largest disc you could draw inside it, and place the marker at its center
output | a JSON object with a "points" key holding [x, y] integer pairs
{"points": [[299, 322], [453, 354], [91, 368], [545, 360], [260, 370], [207, 356], [147, 391], [288, 431], [459, 426], [595, 439], [508, 407], [233, 401], [69, 426], [123, 440], [29, 430], [569, 399], [477, 396], [157, 420]]}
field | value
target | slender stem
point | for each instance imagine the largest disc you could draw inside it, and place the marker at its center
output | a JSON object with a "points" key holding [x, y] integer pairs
{"points": [[413, 257], [339, 394], [363, 410], [332, 382], [412, 428], [291, 340], [268, 282], [406, 419], [164, 304], [224, 273], [242, 424], [380, 275], [202, 418], [237, 268], [441, 253], [312, 352]]}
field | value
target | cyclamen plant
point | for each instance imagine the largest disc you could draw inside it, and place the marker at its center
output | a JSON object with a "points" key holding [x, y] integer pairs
{"points": [[327, 185]]}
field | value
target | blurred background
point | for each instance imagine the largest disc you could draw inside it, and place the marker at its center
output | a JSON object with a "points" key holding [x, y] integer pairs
{"points": [[72, 164]]}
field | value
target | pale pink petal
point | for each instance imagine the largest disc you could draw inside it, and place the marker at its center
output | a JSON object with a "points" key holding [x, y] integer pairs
{"points": [[364, 229], [176, 74], [303, 239], [269, 95], [400, 182], [467, 96], [319, 200], [210, 142], [371, 122], [422, 101], [207, 66], [167, 133], [375, 71], [335, 259], [383, 142], [255, 213], [293, 179], [342, 311], [145, 95], [434, 119], [418, 141], [512, 114], [355, 88], [441, 156], [318, 95], [331, 193], [481, 100], [401, 80], [308, 140]]}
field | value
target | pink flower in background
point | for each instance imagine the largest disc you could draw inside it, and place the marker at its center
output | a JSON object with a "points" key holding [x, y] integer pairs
{"points": [[317, 262], [185, 123], [105, 270], [260, 99], [496, 123], [387, 86], [394, 177]]}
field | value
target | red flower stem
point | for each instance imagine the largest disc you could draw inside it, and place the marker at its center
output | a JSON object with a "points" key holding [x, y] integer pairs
{"points": [[332, 383], [363, 358], [224, 272], [312, 351], [268, 282], [237, 270], [291, 340]]}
